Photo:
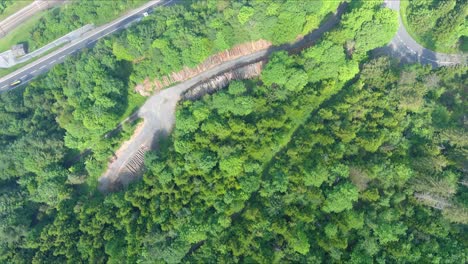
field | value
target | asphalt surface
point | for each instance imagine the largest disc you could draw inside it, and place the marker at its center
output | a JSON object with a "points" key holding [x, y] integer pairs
{"points": [[405, 47], [25, 13], [43, 64]]}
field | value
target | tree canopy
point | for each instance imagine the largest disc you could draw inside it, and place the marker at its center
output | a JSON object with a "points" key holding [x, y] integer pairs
{"points": [[330, 155]]}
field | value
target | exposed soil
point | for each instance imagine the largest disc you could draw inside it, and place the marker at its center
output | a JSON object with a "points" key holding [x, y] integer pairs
{"points": [[124, 146], [186, 73]]}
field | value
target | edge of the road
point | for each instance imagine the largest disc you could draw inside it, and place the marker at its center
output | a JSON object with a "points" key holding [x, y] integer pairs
{"points": [[6, 80], [404, 19], [406, 40]]}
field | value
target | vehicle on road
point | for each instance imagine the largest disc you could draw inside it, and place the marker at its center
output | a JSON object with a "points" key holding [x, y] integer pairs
{"points": [[98, 33], [15, 83]]}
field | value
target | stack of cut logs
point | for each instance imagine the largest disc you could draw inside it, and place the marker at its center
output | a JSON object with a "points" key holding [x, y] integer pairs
{"points": [[136, 163], [222, 80]]}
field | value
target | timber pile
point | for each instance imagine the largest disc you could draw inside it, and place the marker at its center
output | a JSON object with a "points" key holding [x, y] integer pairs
{"points": [[212, 61], [145, 88], [135, 164], [222, 80]]}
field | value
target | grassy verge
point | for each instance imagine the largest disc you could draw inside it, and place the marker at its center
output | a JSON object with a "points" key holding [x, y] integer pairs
{"points": [[4, 72], [135, 101], [21, 33], [420, 39], [14, 7]]}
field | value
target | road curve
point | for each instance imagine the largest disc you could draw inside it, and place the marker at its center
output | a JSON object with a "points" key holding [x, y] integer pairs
{"points": [[405, 47], [43, 64]]}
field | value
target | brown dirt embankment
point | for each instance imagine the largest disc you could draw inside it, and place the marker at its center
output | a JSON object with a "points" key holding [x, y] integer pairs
{"points": [[148, 86]]}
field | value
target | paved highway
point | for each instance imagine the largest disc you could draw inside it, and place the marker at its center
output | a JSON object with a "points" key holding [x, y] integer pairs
{"points": [[405, 47], [25, 13], [43, 64]]}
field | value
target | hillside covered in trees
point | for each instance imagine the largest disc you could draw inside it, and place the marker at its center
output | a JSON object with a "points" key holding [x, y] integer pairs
{"points": [[331, 155]]}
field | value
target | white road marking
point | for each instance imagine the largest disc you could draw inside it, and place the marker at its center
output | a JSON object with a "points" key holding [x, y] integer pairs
{"points": [[23, 76], [34, 71], [61, 57], [420, 54], [42, 67], [52, 62], [150, 4]]}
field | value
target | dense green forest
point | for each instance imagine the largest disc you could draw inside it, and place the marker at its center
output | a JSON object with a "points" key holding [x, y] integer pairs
{"points": [[438, 25], [46, 126], [328, 156]]}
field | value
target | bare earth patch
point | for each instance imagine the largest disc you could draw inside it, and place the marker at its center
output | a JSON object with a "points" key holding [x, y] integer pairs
{"points": [[186, 73], [125, 145]]}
